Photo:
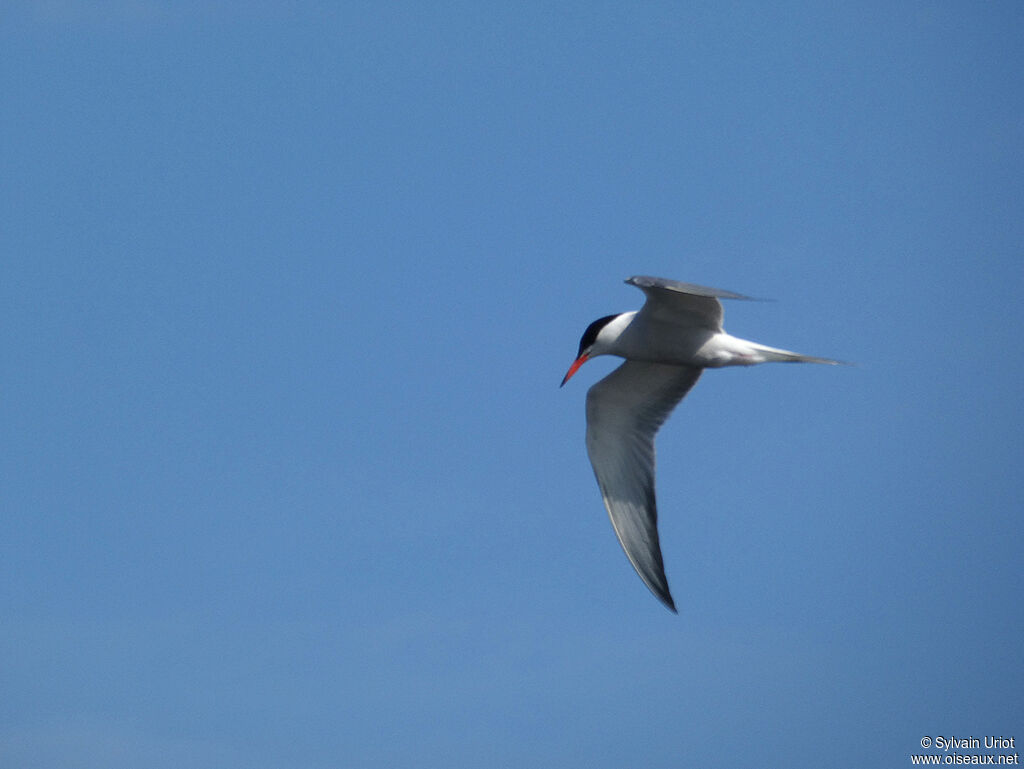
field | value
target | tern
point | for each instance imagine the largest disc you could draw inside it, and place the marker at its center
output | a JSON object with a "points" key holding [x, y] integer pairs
{"points": [[667, 344]]}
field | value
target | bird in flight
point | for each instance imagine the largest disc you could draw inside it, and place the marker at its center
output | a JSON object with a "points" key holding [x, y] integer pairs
{"points": [[667, 344]]}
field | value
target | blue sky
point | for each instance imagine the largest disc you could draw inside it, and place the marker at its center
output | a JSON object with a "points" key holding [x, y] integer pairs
{"points": [[287, 291]]}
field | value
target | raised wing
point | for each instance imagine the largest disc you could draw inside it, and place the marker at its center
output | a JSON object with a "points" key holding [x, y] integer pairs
{"points": [[670, 301], [624, 412]]}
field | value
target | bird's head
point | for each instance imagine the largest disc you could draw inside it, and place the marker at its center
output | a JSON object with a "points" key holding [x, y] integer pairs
{"points": [[596, 340]]}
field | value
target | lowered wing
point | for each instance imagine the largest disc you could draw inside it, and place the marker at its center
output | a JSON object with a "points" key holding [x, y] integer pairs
{"points": [[624, 412]]}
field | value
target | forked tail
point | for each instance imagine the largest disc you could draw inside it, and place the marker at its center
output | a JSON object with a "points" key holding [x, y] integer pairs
{"points": [[773, 354]]}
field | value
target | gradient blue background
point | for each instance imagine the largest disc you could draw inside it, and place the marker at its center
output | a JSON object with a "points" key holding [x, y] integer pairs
{"points": [[286, 294]]}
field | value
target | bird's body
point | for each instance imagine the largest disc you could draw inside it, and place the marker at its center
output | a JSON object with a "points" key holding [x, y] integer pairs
{"points": [[667, 344]]}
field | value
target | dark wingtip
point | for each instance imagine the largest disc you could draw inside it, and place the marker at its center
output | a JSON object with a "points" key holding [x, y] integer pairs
{"points": [[663, 595]]}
